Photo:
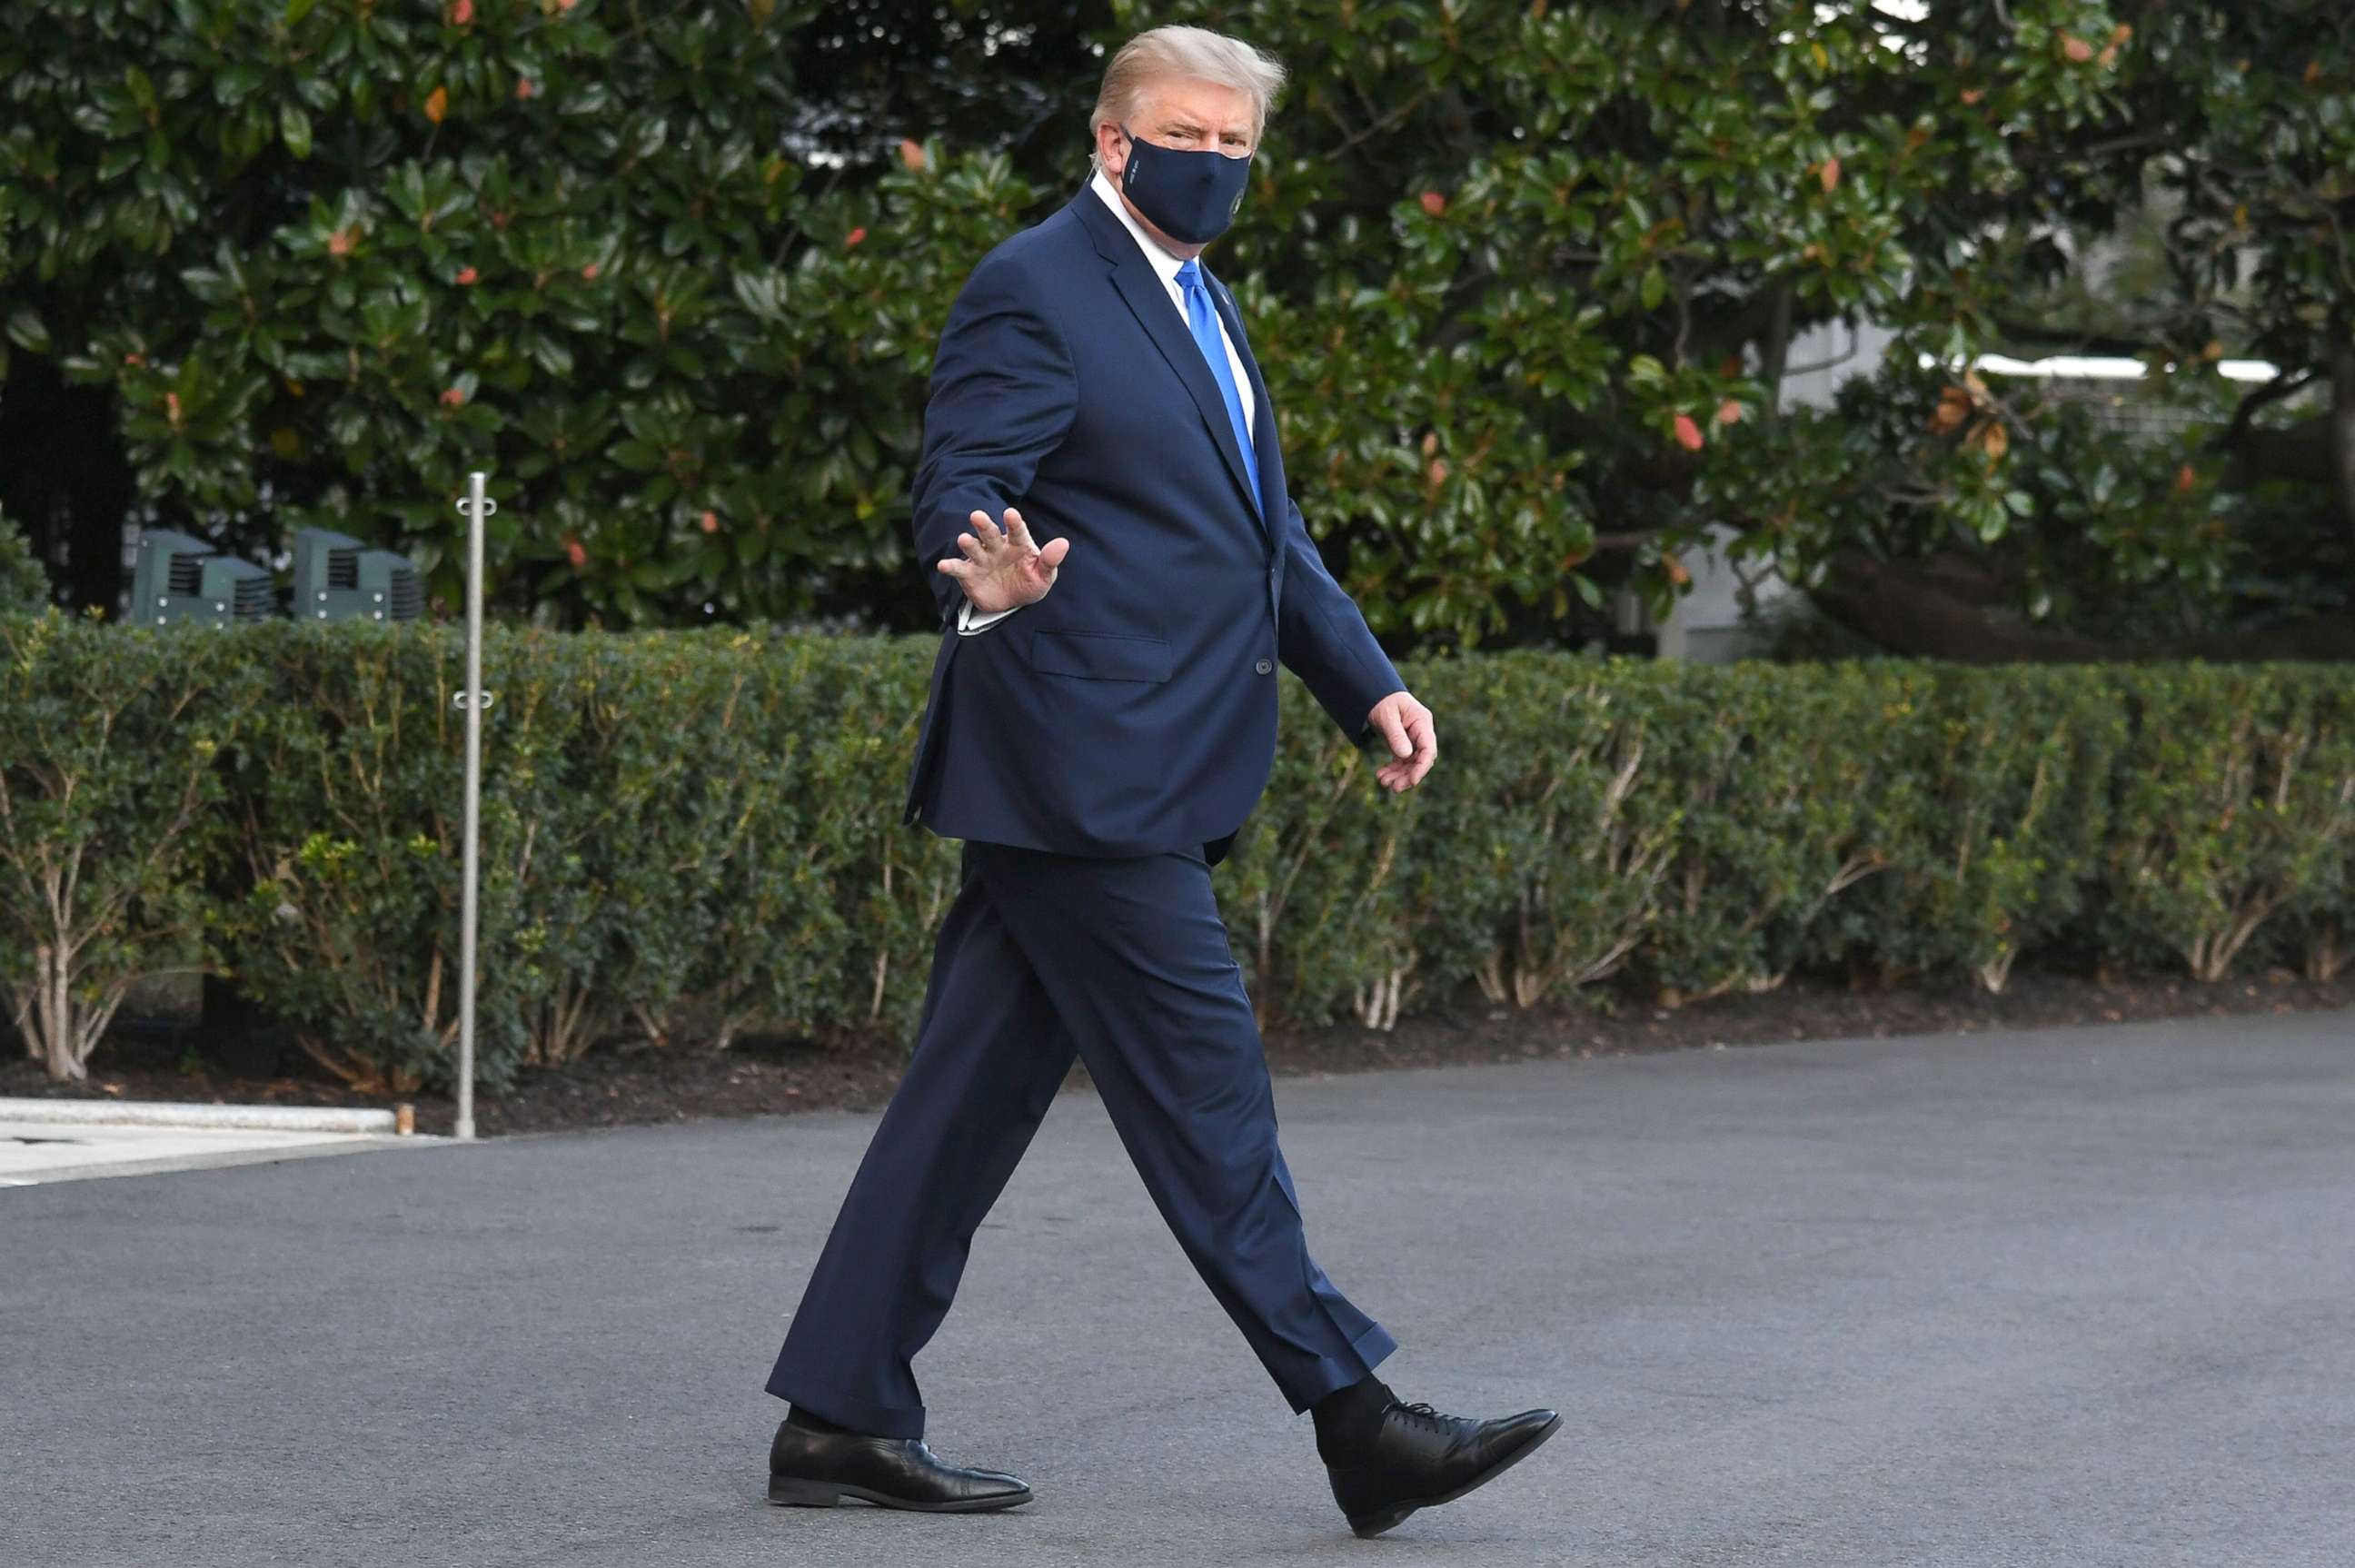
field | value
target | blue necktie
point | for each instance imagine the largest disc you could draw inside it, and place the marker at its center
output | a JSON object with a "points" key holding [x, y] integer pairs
{"points": [[1204, 320]]}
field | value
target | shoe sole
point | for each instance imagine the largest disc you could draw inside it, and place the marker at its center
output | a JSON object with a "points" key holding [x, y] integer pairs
{"points": [[788, 1493], [1372, 1525]]}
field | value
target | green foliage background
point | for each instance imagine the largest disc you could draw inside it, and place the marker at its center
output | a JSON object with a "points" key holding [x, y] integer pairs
{"points": [[23, 586], [1525, 279], [1525, 276]]}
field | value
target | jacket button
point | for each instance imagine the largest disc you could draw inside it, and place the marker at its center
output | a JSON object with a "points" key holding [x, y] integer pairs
{"points": [[1262, 666]]}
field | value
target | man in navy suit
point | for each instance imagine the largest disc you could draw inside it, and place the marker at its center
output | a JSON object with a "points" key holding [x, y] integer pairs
{"points": [[1101, 719]]}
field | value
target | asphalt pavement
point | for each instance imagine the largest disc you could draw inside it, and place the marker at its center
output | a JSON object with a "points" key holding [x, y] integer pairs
{"points": [[2077, 1297]]}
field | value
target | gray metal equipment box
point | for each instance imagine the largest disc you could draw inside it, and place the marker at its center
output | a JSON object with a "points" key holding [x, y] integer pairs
{"points": [[179, 580], [338, 579]]}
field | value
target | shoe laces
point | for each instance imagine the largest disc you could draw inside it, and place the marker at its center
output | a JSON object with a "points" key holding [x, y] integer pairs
{"points": [[1424, 1416]]}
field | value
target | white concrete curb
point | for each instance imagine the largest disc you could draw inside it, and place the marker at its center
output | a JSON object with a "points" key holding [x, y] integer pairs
{"points": [[167, 1113]]}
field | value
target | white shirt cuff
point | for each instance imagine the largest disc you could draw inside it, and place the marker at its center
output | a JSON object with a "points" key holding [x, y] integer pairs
{"points": [[970, 620]]}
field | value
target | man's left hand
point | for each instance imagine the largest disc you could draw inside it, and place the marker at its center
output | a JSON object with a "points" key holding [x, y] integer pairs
{"points": [[1406, 725]]}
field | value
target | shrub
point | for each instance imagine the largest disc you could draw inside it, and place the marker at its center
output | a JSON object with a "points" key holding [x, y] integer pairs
{"points": [[113, 810], [689, 834]]}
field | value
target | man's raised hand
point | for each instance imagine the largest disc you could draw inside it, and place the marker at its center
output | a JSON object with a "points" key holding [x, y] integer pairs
{"points": [[1003, 569]]}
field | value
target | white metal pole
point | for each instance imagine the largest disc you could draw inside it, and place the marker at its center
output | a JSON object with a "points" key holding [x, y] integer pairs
{"points": [[476, 505]]}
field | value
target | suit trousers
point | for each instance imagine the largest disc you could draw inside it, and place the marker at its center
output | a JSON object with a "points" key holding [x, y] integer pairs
{"points": [[1124, 963]]}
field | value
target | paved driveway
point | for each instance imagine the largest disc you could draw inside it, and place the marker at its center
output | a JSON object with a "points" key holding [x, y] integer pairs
{"points": [[2080, 1298]]}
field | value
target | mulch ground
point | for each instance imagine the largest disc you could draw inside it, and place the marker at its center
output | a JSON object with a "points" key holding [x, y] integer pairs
{"points": [[622, 1083]]}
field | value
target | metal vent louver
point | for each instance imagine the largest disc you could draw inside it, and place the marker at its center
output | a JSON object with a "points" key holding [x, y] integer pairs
{"points": [[236, 590], [404, 590], [164, 578]]}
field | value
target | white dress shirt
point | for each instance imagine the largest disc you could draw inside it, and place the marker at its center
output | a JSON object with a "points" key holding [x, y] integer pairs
{"points": [[1165, 265]]}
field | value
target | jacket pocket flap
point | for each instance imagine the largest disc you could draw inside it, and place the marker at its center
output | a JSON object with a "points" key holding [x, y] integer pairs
{"points": [[1101, 656]]}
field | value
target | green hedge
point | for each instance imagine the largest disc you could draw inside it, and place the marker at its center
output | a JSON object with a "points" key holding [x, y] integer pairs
{"points": [[686, 835]]}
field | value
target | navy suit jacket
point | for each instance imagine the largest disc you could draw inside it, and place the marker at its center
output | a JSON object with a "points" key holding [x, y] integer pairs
{"points": [[1133, 710]]}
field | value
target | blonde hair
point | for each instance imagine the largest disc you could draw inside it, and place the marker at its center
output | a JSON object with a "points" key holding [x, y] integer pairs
{"points": [[1162, 52]]}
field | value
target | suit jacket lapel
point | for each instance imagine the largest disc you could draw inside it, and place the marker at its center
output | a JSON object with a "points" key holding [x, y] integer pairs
{"points": [[1142, 287]]}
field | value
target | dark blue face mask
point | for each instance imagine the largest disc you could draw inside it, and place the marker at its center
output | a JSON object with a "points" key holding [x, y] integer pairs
{"points": [[1188, 196]]}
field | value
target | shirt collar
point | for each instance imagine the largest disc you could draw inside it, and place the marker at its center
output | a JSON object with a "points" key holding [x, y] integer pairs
{"points": [[1164, 263]]}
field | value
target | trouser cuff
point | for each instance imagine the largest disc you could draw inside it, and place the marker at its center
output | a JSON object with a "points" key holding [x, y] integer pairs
{"points": [[1370, 1349], [846, 1409]]}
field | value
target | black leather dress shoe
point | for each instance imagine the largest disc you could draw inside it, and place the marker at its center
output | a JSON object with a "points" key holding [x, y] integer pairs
{"points": [[819, 1470], [1418, 1459]]}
